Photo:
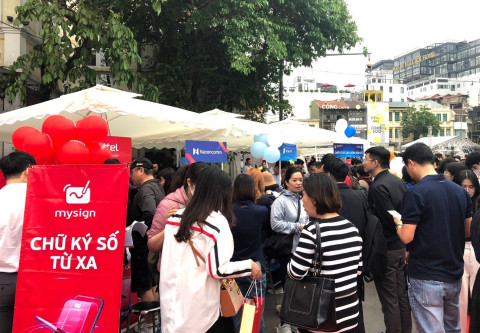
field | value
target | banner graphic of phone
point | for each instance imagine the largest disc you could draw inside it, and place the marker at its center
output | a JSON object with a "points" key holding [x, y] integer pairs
{"points": [[78, 315]]}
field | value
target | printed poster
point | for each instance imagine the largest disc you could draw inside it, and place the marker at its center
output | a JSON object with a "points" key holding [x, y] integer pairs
{"points": [[377, 117], [71, 259]]}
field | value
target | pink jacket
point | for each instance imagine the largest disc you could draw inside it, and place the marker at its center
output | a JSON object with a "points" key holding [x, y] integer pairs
{"points": [[177, 199]]}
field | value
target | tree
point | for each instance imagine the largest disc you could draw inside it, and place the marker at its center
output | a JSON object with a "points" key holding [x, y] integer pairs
{"points": [[232, 54], [71, 31], [417, 122]]}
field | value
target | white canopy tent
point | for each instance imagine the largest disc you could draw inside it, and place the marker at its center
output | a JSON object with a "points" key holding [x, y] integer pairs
{"points": [[148, 124], [451, 145], [162, 126]]}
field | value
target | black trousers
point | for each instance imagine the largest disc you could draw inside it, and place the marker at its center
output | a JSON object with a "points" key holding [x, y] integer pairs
{"points": [[8, 285], [392, 293]]}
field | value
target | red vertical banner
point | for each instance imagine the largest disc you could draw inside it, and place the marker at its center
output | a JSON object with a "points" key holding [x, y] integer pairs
{"points": [[71, 259]]}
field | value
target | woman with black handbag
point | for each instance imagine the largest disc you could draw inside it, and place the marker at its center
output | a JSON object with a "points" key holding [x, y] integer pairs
{"points": [[287, 218], [331, 248]]}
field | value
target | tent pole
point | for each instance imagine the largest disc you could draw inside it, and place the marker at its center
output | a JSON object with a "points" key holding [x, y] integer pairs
{"points": [[177, 153]]}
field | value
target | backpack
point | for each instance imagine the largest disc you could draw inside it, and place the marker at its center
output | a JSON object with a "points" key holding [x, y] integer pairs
{"points": [[374, 251]]}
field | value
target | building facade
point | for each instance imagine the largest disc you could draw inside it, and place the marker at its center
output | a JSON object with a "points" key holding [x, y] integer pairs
{"points": [[14, 42], [324, 114], [379, 78]]}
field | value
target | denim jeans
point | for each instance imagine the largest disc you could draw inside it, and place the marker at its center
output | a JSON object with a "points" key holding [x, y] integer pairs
{"points": [[435, 305], [244, 284]]}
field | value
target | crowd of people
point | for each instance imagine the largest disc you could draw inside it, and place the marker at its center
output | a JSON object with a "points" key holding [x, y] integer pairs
{"points": [[203, 228]]}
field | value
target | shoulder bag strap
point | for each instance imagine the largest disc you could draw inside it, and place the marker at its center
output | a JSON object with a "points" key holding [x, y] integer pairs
{"points": [[317, 259], [196, 254], [298, 210]]}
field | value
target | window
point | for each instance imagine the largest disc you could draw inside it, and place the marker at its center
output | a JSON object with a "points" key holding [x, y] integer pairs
{"points": [[390, 89], [448, 132], [396, 133], [445, 116], [390, 116], [390, 100], [439, 117], [397, 116], [402, 100], [442, 132], [402, 90], [390, 132], [381, 88]]}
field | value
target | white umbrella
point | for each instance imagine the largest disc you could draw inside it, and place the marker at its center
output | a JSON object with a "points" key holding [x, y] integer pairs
{"points": [[148, 124]]}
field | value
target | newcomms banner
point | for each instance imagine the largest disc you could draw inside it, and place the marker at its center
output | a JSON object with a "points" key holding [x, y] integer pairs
{"points": [[205, 151]]}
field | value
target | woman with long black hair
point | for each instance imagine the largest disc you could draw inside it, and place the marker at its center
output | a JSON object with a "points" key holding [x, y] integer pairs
{"points": [[469, 181], [247, 234], [196, 254]]}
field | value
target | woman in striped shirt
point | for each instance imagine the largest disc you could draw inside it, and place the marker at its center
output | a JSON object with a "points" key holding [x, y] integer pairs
{"points": [[341, 248]]}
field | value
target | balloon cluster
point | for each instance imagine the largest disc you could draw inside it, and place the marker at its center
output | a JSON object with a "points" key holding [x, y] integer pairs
{"points": [[266, 146], [342, 127], [62, 141]]}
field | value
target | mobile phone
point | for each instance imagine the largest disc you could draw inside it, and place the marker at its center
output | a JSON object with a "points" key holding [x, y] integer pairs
{"points": [[394, 213]]}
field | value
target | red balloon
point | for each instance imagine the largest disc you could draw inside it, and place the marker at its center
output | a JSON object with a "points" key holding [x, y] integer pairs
{"points": [[39, 145], [99, 154], [74, 152], [60, 129], [92, 129], [20, 134]]}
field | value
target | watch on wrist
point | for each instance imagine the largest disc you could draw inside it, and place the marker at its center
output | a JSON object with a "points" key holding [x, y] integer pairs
{"points": [[398, 225]]}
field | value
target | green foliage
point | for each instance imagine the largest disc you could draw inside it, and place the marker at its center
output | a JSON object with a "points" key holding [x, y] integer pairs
{"points": [[417, 122], [232, 54], [71, 31], [198, 54]]}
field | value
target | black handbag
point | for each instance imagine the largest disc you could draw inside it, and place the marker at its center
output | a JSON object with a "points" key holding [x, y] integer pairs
{"points": [[279, 245], [310, 303]]}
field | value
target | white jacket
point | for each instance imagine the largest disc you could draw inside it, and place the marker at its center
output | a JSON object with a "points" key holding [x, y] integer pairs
{"points": [[190, 294]]}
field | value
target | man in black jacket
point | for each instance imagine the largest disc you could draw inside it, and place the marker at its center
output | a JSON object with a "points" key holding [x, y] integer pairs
{"points": [[354, 205], [143, 207], [386, 193]]}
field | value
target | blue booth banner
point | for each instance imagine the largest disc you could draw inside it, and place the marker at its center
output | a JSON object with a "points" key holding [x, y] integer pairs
{"points": [[348, 150], [288, 152], [205, 151]]}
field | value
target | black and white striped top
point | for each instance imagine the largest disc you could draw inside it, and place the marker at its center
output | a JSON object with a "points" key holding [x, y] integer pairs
{"points": [[341, 261], [341, 253]]}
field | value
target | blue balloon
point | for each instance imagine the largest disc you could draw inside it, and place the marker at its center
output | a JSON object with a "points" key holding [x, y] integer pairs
{"points": [[257, 149], [261, 138], [350, 131], [271, 155]]}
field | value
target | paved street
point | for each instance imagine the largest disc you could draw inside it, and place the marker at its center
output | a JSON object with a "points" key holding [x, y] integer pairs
{"points": [[372, 312]]}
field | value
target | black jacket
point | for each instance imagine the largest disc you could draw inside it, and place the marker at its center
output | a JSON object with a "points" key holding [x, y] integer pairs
{"points": [[143, 208], [386, 193], [354, 203]]}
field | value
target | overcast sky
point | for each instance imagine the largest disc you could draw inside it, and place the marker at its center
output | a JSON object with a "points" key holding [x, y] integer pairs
{"points": [[393, 27]]}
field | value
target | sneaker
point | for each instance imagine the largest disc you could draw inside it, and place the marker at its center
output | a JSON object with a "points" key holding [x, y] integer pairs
{"points": [[278, 307], [285, 328]]}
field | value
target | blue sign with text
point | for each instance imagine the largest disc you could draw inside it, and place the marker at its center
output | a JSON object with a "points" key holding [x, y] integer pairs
{"points": [[288, 152], [205, 151], [347, 150]]}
